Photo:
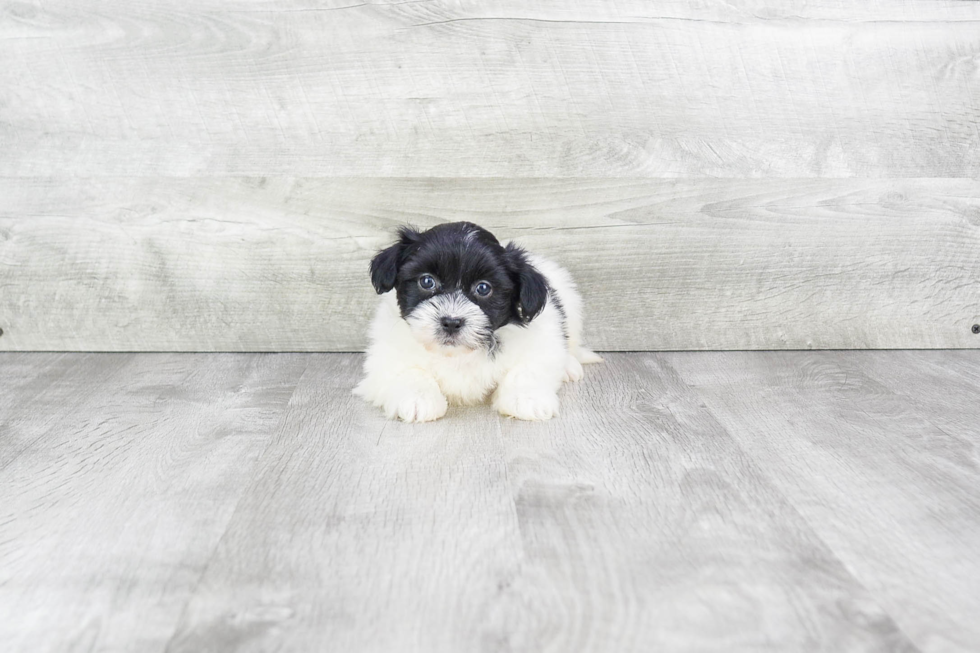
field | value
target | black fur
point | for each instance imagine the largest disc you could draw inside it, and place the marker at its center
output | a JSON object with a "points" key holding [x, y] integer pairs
{"points": [[384, 266], [459, 255], [532, 287], [556, 301]]}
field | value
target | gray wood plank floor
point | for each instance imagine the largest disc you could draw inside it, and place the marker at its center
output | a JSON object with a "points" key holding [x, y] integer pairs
{"points": [[784, 501]]}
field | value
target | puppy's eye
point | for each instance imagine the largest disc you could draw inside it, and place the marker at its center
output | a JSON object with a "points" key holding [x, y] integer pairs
{"points": [[427, 282], [483, 289]]}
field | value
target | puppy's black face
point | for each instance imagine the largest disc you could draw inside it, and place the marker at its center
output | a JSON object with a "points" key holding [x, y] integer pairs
{"points": [[456, 285]]}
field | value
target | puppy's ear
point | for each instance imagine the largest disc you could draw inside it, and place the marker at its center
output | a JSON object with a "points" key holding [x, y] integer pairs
{"points": [[532, 287], [384, 266]]}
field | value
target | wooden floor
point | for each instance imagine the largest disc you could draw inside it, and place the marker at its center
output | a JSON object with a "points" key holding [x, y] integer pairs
{"points": [[793, 501]]}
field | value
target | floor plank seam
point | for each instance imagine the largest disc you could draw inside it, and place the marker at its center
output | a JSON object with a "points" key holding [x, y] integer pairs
{"points": [[280, 423]]}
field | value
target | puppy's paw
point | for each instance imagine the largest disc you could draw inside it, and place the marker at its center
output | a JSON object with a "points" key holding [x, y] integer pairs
{"points": [[573, 369], [417, 407], [587, 356], [530, 405]]}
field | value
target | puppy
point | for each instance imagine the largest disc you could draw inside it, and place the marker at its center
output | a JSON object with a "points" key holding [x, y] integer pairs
{"points": [[470, 318]]}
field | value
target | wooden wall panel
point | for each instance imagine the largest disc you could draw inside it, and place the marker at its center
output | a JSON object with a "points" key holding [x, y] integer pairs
{"points": [[749, 174], [490, 89], [261, 264]]}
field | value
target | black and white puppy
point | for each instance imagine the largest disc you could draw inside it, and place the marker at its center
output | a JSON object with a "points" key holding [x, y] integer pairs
{"points": [[470, 317]]}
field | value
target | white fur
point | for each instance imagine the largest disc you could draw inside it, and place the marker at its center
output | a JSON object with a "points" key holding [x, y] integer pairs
{"points": [[412, 377], [424, 320]]}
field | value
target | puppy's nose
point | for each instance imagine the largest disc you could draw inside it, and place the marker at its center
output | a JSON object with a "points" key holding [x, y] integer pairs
{"points": [[452, 324]]}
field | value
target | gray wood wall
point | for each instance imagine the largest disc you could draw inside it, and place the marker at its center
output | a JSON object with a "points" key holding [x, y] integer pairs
{"points": [[749, 174]]}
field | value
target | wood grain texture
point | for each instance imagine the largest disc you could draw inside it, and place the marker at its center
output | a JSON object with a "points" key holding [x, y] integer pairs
{"points": [[257, 264], [360, 534], [684, 502], [929, 378], [646, 528], [628, 525], [213, 176], [37, 391], [888, 479], [505, 89], [109, 517]]}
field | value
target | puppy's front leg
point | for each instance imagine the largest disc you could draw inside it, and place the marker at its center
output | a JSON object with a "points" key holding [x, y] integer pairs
{"points": [[409, 394], [414, 396], [526, 393]]}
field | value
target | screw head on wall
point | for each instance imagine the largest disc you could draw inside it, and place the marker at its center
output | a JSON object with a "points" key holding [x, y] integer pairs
{"points": [[976, 328]]}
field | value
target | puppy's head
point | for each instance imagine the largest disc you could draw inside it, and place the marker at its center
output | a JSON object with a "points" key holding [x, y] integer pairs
{"points": [[456, 285]]}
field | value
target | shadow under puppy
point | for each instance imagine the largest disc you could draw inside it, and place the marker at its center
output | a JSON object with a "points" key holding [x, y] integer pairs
{"points": [[470, 317]]}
